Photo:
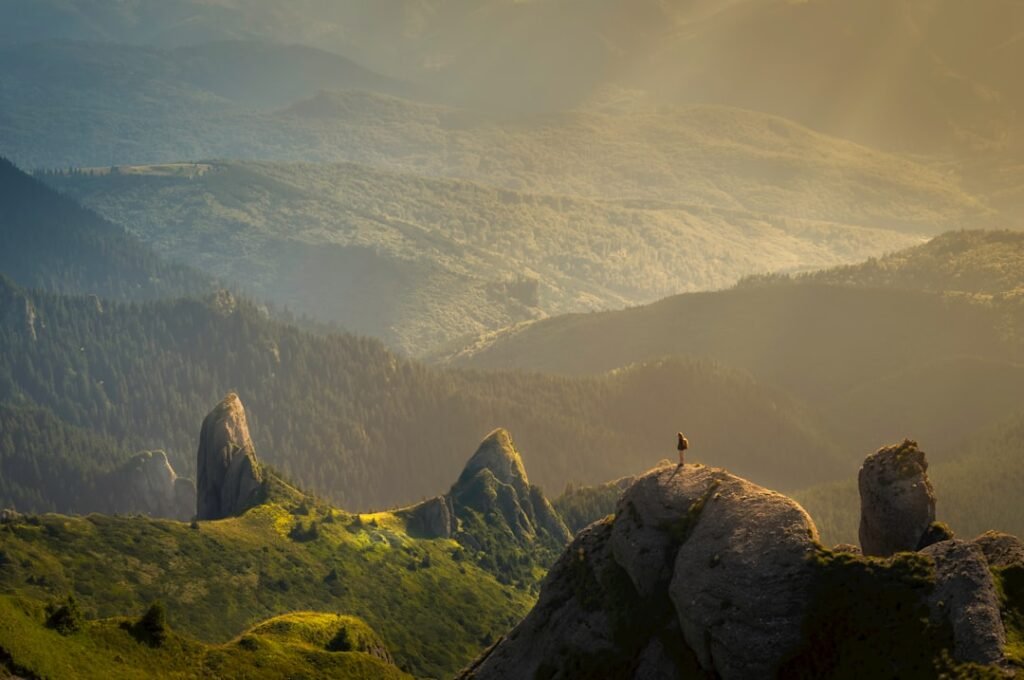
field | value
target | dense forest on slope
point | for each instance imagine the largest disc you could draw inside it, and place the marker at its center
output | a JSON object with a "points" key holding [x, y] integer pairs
{"points": [[986, 264], [427, 261], [350, 420], [49, 241], [881, 362]]}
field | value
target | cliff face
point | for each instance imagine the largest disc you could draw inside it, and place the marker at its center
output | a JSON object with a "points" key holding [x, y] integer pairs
{"points": [[701, 573], [229, 476]]}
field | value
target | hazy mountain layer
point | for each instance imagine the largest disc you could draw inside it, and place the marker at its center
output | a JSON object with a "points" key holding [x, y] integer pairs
{"points": [[884, 363], [421, 262], [923, 74]]}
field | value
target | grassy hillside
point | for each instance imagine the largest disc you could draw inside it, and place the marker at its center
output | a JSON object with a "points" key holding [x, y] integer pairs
{"points": [[425, 261], [289, 646], [218, 579]]}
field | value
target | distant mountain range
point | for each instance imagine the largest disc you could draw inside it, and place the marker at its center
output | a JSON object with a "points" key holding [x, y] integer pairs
{"points": [[911, 74]]}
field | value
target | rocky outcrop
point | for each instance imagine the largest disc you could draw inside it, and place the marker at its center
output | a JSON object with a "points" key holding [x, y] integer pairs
{"points": [[229, 477], [698, 572], [1002, 551], [702, 574], [147, 484], [494, 482], [897, 500], [965, 597], [432, 519]]}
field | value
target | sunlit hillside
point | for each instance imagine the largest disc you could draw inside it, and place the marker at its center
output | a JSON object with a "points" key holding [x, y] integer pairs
{"points": [[428, 261]]}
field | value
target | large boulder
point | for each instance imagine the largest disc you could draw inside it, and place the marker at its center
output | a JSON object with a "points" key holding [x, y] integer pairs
{"points": [[896, 499], [699, 573], [703, 574], [742, 582], [229, 477]]}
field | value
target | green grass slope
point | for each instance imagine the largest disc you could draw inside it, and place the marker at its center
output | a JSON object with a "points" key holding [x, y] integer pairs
{"points": [[433, 607], [291, 646]]}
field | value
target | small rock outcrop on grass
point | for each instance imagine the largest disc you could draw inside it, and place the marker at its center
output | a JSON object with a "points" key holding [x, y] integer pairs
{"points": [[703, 574], [896, 500], [147, 484], [432, 519], [229, 476]]}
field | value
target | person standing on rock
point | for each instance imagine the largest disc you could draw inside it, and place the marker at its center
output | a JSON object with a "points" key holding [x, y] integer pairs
{"points": [[683, 444]]}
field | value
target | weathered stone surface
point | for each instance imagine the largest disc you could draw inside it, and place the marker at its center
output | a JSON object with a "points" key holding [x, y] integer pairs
{"points": [[432, 519], [694, 559], [1001, 550], [651, 519], [897, 501], [966, 597], [741, 584], [749, 592], [567, 629], [229, 477]]}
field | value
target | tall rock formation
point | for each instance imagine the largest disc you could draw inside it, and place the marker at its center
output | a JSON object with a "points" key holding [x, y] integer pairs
{"points": [[702, 574], [494, 482], [896, 500], [500, 519], [229, 477]]}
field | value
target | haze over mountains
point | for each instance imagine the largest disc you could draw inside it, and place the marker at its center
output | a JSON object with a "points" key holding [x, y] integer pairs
{"points": [[790, 229]]}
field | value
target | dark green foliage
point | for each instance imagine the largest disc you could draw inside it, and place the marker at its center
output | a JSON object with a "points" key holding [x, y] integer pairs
{"points": [[341, 415], [303, 533], [579, 506], [64, 617], [869, 619], [152, 627]]}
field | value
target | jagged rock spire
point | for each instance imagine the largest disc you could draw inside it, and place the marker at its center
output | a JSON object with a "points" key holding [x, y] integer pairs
{"points": [[229, 477]]}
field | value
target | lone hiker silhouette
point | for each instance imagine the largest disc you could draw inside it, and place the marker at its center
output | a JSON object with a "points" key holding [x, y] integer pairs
{"points": [[683, 444]]}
